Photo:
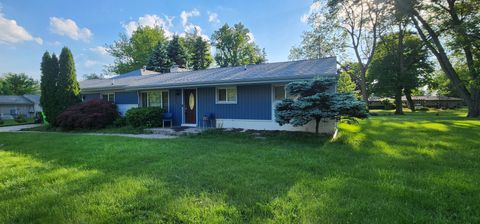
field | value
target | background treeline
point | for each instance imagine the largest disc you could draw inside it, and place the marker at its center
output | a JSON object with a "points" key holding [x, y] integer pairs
{"points": [[392, 48], [149, 46]]}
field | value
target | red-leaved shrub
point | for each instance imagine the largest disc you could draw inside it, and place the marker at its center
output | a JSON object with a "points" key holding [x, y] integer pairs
{"points": [[93, 114]]}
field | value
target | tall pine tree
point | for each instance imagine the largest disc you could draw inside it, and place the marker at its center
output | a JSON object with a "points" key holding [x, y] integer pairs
{"points": [[68, 89], [159, 60], [48, 87], [178, 52], [201, 57], [199, 48]]}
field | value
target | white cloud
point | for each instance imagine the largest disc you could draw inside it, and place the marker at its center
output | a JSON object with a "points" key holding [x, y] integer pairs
{"points": [[150, 21], [185, 15], [91, 63], [190, 28], [314, 7], [68, 27], [99, 50], [12, 33], [55, 43], [213, 17]]}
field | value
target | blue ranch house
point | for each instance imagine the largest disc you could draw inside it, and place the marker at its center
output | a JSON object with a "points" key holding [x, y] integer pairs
{"points": [[232, 97]]}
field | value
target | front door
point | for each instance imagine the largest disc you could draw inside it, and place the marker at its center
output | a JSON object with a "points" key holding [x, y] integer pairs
{"points": [[190, 105]]}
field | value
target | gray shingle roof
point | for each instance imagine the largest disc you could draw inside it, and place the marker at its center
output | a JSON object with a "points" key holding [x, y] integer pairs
{"points": [[33, 98], [15, 100], [280, 71]]}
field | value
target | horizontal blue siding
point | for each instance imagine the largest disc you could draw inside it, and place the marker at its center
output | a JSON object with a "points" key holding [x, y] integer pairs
{"points": [[126, 97], [175, 106], [253, 102], [92, 96]]}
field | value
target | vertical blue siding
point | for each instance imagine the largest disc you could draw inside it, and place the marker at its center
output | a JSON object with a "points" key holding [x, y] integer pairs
{"points": [[175, 106], [91, 96], [253, 102], [126, 97]]}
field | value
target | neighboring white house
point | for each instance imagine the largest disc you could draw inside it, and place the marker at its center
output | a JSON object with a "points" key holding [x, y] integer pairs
{"points": [[11, 106]]}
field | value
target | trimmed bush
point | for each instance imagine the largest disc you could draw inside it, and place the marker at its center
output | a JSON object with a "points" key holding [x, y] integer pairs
{"points": [[145, 117], [120, 122], [423, 109], [21, 118], [1, 121], [93, 114], [388, 103]]}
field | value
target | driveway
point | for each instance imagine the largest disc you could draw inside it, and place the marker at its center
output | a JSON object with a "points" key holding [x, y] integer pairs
{"points": [[17, 127]]}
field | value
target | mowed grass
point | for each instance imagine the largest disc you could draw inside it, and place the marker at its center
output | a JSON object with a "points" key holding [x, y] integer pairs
{"points": [[11, 122], [417, 168]]}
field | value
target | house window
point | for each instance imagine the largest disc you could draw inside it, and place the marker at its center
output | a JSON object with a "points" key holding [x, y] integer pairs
{"points": [[110, 97], [226, 95], [155, 99], [279, 93]]}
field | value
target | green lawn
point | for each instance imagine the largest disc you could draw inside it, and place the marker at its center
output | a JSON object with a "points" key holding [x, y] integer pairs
{"points": [[12, 122], [419, 168], [108, 130]]}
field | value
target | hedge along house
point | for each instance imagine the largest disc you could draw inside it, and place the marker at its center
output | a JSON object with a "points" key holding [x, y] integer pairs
{"points": [[232, 97]]}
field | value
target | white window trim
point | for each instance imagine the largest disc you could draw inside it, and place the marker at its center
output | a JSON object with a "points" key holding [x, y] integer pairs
{"points": [[108, 94], [226, 102], [161, 97]]}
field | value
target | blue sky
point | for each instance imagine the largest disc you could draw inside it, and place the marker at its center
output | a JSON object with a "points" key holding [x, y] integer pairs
{"points": [[29, 28]]}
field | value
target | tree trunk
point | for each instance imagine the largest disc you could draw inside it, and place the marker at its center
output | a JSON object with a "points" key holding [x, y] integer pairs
{"points": [[398, 102], [435, 45], [363, 84], [408, 95], [474, 107], [401, 65], [317, 122]]}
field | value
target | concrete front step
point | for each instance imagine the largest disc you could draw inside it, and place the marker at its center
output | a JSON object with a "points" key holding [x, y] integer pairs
{"points": [[175, 131]]}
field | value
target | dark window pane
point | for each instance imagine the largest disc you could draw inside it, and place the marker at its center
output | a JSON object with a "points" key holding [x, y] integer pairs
{"points": [[165, 100], [144, 100], [222, 95], [154, 99], [232, 94], [279, 92]]}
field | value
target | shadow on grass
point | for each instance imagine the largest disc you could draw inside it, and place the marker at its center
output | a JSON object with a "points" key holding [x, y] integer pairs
{"points": [[399, 170]]}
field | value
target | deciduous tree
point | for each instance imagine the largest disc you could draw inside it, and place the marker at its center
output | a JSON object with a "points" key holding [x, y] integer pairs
{"points": [[341, 24], [235, 46], [92, 76], [133, 52], [450, 30], [18, 84], [345, 83], [386, 74]]}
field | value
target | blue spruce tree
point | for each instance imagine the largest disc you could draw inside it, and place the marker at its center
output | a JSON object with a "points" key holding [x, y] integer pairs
{"points": [[315, 100]]}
